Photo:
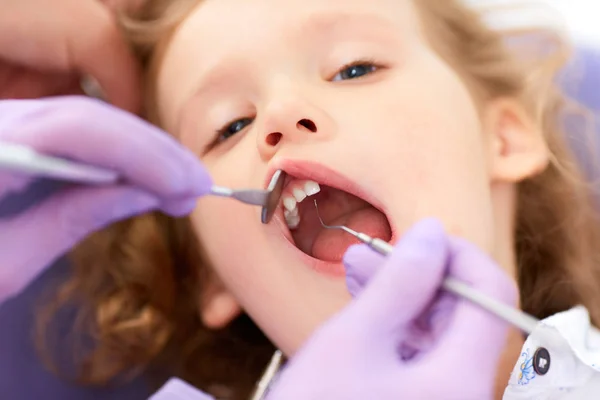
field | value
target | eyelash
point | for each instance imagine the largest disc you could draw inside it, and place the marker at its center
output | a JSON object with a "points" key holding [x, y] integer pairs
{"points": [[225, 130], [360, 62]]}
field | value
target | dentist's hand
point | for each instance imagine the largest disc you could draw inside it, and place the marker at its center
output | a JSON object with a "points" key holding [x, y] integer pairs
{"points": [[401, 338], [46, 47], [158, 174]]}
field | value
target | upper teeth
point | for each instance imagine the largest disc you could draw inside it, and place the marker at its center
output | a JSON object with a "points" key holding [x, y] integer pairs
{"points": [[294, 194]]}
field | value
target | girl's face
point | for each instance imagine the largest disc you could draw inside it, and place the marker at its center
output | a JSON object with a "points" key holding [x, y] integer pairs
{"points": [[344, 93]]}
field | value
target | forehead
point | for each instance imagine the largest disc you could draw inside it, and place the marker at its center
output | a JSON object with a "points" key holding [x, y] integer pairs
{"points": [[220, 25], [222, 32], [227, 14]]}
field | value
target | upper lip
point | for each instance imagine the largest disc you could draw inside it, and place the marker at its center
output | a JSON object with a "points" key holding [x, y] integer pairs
{"points": [[309, 170]]}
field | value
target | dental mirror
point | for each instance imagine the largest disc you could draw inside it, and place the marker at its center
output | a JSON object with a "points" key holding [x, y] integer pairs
{"points": [[275, 190]]}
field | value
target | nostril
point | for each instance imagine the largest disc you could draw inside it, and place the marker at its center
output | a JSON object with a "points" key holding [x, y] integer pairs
{"points": [[274, 138], [308, 124]]}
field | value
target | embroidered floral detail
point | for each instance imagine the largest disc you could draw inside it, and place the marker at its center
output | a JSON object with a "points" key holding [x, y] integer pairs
{"points": [[527, 373]]}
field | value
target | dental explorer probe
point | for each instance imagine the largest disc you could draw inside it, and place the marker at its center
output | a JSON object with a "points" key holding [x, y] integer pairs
{"points": [[263, 385], [518, 318]]}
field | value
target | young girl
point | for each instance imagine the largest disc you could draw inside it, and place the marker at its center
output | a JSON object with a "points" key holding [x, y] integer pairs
{"points": [[385, 112]]}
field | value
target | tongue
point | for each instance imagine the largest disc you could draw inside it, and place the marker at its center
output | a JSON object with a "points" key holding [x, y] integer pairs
{"points": [[331, 244], [336, 207]]}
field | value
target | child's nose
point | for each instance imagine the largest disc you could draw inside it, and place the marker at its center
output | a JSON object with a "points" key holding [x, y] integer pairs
{"points": [[292, 121], [303, 126]]}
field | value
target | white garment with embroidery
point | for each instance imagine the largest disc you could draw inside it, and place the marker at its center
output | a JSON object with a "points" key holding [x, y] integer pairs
{"points": [[574, 367]]}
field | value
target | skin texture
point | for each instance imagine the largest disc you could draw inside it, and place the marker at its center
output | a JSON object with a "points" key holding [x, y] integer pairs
{"points": [[435, 151]]}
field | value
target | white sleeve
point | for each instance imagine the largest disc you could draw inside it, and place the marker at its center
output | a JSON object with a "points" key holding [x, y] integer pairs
{"points": [[560, 360]]}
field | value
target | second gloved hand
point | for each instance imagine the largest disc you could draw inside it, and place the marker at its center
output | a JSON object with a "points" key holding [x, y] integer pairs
{"points": [[400, 339], [157, 174]]}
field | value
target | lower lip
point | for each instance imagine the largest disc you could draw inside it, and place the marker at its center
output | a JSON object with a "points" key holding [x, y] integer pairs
{"points": [[330, 269]]}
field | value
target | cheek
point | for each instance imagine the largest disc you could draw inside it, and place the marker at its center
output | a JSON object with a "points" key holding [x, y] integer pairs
{"points": [[430, 153], [221, 223], [225, 224], [228, 233]]}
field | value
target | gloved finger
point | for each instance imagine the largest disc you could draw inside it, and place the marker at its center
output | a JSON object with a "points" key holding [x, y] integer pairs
{"points": [[407, 282], [98, 49], [10, 183], [471, 326], [361, 264], [424, 332], [96, 133], [179, 208], [58, 224]]}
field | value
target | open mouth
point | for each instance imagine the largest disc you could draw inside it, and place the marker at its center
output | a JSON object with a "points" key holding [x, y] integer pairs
{"points": [[340, 203]]}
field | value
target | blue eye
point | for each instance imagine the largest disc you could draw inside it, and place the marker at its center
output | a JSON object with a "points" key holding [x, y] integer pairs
{"points": [[355, 70], [231, 129]]}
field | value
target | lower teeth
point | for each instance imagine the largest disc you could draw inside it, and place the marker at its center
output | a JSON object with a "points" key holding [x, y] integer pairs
{"points": [[292, 218]]}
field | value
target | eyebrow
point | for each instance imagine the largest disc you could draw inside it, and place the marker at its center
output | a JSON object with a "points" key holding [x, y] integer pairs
{"points": [[315, 26], [328, 23], [213, 79]]}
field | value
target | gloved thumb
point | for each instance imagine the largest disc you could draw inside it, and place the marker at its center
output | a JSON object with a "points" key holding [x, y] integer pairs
{"points": [[361, 264], [407, 282]]}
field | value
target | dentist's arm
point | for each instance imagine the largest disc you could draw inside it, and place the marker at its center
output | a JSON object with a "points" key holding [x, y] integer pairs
{"points": [[158, 174]]}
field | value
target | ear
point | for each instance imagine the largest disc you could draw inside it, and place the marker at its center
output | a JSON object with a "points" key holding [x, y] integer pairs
{"points": [[218, 307], [518, 149]]}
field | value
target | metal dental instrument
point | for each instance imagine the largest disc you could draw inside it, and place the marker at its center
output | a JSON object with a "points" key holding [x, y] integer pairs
{"points": [[521, 320], [263, 385], [25, 160], [268, 199]]}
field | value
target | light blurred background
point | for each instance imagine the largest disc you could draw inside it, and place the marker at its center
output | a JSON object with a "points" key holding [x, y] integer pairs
{"points": [[580, 18]]}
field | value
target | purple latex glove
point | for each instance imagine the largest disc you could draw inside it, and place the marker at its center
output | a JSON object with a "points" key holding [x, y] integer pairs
{"points": [[176, 389], [387, 344], [157, 173]]}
